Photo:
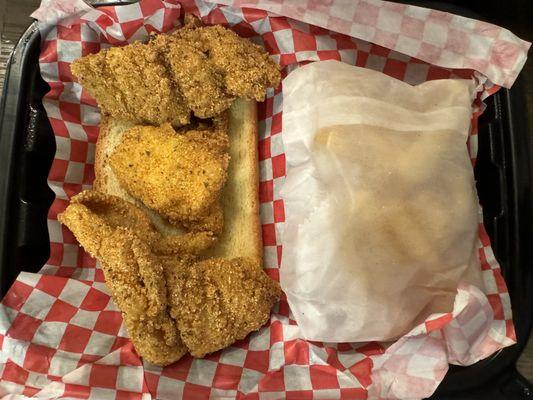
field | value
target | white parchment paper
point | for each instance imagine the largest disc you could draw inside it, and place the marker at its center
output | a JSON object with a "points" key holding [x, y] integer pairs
{"points": [[380, 201]]}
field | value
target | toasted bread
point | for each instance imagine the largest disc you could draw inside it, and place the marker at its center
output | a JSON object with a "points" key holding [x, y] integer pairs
{"points": [[241, 236]]}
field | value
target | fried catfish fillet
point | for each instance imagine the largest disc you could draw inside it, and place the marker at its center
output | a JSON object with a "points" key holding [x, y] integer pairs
{"points": [[246, 69], [216, 302], [220, 62], [132, 83], [116, 212], [198, 68], [178, 176], [190, 70], [135, 278]]}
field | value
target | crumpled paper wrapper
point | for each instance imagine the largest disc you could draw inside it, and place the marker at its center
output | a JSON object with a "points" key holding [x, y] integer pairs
{"points": [[380, 201], [62, 335]]}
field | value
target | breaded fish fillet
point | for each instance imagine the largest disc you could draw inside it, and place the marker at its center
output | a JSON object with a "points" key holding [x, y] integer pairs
{"points": [[132, 83], [117, 212], [135, 278], [244, 68], [216, 302], [178, 176], [219, 61], [170, 302], [198, 69]]}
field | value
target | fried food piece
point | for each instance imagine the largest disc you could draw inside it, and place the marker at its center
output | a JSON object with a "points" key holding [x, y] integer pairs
{"points": [[116, 212], [189, 243], [190, 70], [135, 279], [199, 69], [247, 69], [179, 177], [132, 83], [216, 302], [218, 61], [212, 222]]}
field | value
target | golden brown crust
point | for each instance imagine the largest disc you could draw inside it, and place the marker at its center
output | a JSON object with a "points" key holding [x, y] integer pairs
{"points": [[170, 302], [178, 177], [111, 132], [215, 135], [133, 274], [190, 243], [158, 82], [116, 213], [203, 231], [189, 70], [119, 213], [218, 301], [132, 82], [212, 221]]}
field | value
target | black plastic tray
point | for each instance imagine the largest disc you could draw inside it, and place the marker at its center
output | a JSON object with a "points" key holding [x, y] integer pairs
{"points": [[27, 147]]}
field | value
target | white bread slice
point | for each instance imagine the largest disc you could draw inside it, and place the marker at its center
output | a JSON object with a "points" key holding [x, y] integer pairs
{"points": [[241, 236], [240, 197]]}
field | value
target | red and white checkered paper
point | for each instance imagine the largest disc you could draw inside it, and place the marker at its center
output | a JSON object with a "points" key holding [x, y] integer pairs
{"points": [[61, 334]]}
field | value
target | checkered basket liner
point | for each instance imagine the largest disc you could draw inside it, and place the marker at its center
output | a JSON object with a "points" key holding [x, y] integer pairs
{"points": [[61, 334]]}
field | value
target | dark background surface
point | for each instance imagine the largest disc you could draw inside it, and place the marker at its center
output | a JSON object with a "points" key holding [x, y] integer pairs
{"points": [[516, 15]]}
